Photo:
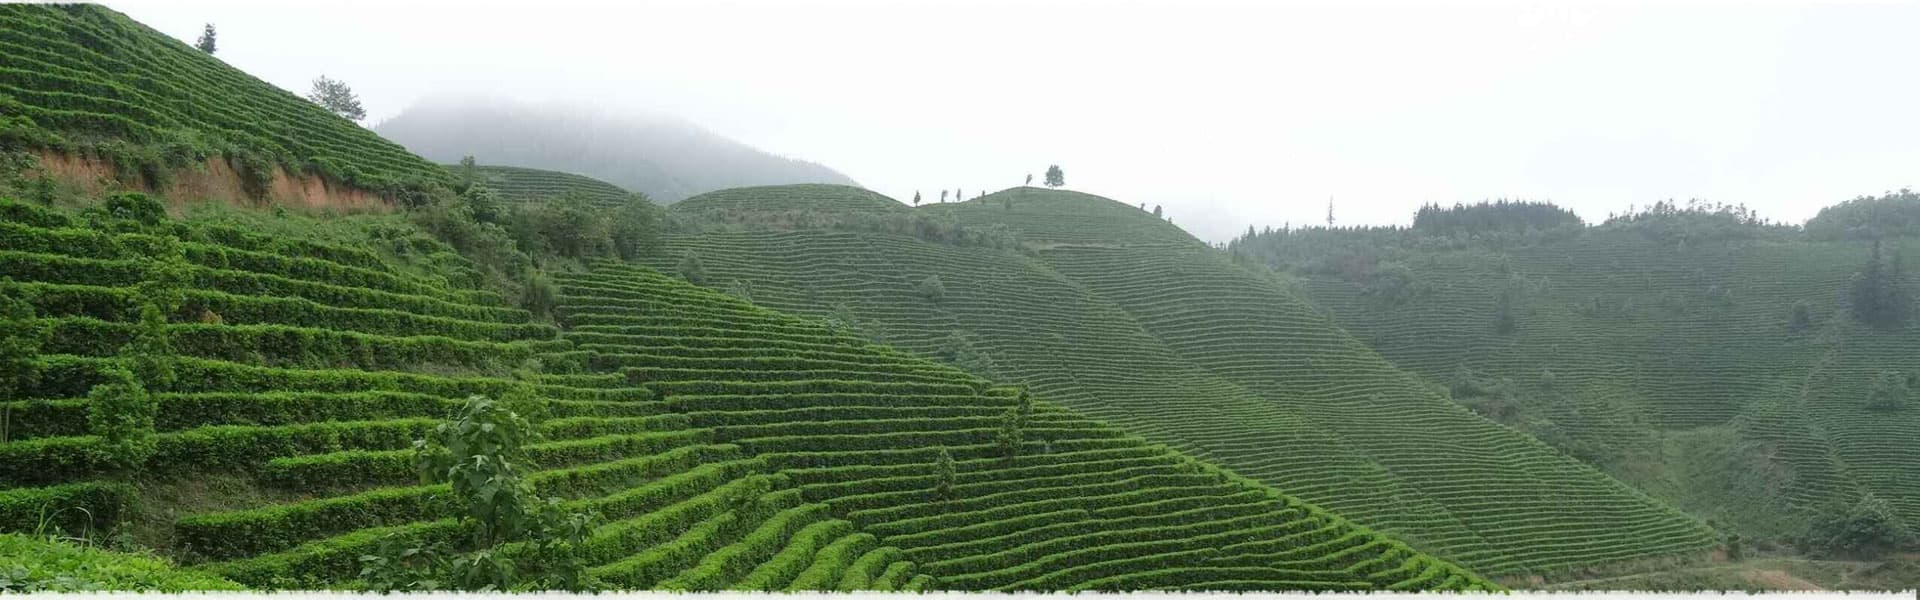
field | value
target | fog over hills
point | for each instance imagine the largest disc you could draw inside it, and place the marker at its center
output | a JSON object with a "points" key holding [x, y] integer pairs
{"points": [[665, 157]]}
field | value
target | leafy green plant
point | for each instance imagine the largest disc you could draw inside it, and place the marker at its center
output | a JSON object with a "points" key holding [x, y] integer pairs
{"points": [[945, 476], [516, 540], [20, 340], [121, 413], [691, 269], [1869, 527], [932, 289]]}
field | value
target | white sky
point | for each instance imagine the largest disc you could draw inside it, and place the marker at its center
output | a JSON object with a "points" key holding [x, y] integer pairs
{"points": [[1227, 114]]}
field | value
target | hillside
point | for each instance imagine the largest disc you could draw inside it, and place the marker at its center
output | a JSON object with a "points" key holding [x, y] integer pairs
{"points": [[522, 185], [667, 159], [1673, 361], [728, 446], [1126, 318], [85, 82]]}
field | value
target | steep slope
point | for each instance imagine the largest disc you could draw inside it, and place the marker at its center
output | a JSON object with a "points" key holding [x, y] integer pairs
{"points": [[1674, 364], [1125, 317], [520, 185], [82, 79], [728, 447], [665, 158]]}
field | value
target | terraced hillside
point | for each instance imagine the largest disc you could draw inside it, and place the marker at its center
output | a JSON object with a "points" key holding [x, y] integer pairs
{"points": [[1046, 216], [749, 204], [728, 447], [520, 185], [84, 79], [1152, 331], [1673, 364]]}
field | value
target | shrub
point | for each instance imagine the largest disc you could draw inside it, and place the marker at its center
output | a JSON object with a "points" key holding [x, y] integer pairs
{"points": [[931, 289], [691, 269], [482, 456], [1800, 317], [1888, 392], [20, 341], [944, 476], [1867, 528], [121, 413]]}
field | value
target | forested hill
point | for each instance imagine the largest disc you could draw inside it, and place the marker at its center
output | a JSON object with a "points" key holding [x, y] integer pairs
{"points": [[1753, 373], [665, 158], [1114, 312]]}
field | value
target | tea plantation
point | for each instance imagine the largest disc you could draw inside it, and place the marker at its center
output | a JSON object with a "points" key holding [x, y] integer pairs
{"points": [[727, 446], [1679, 365], [520, 184], [1126, 318], [84, 79]]}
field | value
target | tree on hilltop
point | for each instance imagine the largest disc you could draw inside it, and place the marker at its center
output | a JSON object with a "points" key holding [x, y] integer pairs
{"points": [[916, 197], [1156, 211], [1029, 179], [205, 43], [334, 95], [943, 196], [1055, 178]]}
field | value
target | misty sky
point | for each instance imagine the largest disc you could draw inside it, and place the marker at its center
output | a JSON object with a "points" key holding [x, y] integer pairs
{"points": [[1227, 114]]}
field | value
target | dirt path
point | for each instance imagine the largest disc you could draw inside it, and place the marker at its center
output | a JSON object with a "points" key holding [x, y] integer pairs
{"points": [[1780, 580]]}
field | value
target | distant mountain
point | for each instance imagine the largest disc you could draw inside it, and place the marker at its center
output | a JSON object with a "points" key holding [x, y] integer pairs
{"points": [[667, 158]]}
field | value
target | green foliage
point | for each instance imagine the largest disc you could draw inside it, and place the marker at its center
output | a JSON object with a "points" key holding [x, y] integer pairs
{"points": [[485, 204], [540, 296], [834, 207], [482, 455], [945, 476], [1491, 218], [1879, 294], [20, 340], [30, 564], [1697, 221], [1011, 436], [1889, 392], [150, 353], [206, 42], [520, 185], [1057, 178], [959, 351], [120, 412], [570, 228], [1504, 319], [1391, 283], [1893, 214], [1800, 316], [335, 96], [1866, 528], [691, 270], [636, 227], [97, 83], [931, 289]]}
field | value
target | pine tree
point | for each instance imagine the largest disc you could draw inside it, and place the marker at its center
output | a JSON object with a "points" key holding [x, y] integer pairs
{"points": [[205, 43], [916, 198], [1879, 296]]}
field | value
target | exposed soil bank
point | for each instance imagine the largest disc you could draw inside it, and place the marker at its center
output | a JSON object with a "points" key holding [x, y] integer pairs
{"points": [[214, 180]]}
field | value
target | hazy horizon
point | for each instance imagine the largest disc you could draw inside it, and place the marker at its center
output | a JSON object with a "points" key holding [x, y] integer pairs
{"points": [[1227, 114]]}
